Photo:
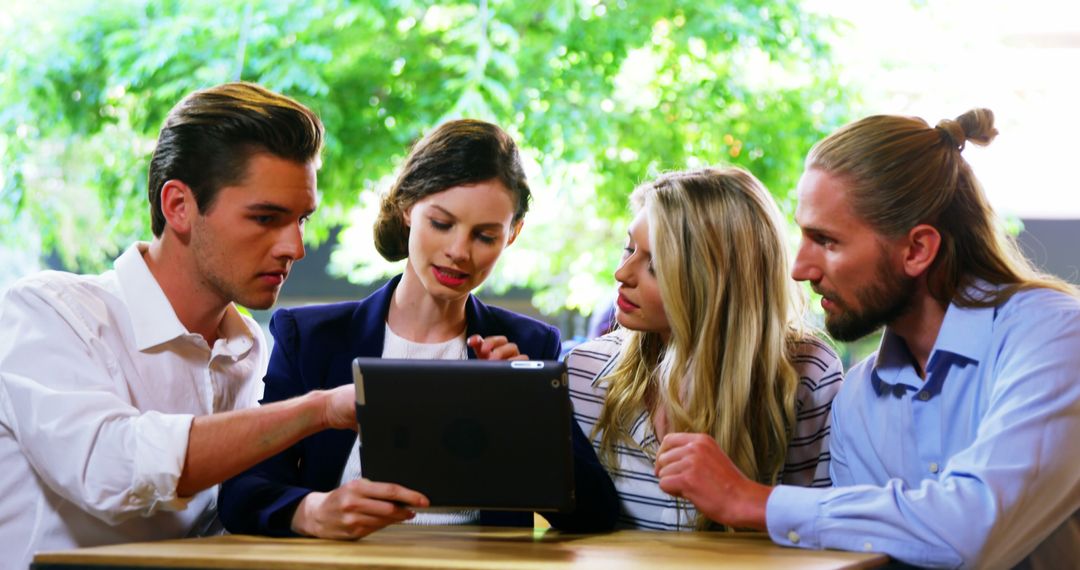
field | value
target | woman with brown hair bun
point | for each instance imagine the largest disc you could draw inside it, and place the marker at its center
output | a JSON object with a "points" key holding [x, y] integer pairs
{"points": [[457, 204]]}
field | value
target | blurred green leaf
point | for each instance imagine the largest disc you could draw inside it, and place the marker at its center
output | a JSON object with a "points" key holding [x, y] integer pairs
{"points": [[600, 95]]}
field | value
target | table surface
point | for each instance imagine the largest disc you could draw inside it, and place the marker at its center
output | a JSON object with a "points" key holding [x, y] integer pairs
{"points": [[407, 546]]}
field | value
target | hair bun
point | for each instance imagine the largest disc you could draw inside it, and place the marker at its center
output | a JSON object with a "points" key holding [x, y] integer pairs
{"points": [[391, 235], [977, 126], [952, 132]]}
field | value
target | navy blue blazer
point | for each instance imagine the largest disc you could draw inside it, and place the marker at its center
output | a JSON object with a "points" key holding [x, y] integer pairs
{"points": [[313, 350]]}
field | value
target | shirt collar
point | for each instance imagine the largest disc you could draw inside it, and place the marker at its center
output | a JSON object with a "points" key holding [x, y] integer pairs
{"points": [[964, 333], [152, 316], [237, 336]]}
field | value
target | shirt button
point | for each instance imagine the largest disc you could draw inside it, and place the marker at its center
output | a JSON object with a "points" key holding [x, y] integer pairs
{"points": [[924, 395], [934, 467], [867, 546], [793, 537]]}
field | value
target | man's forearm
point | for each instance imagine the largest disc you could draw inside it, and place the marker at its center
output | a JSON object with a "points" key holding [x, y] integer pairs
{"points": [[222, 445]]}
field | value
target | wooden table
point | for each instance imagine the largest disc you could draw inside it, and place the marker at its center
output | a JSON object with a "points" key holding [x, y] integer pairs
{"points": [[406, 546]]}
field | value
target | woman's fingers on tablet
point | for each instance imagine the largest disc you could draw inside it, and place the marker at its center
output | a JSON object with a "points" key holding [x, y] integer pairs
{"points": [[484, 346], [474, 342], [393, 493], [379, 509], [355, 509], [507, 351], [495, 347]]}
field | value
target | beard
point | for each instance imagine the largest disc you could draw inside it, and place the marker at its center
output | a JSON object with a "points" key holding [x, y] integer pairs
{"points": [[886, 298]]}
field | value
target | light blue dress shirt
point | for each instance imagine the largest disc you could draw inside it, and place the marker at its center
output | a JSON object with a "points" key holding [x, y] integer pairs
{"points": [[977, 466]]}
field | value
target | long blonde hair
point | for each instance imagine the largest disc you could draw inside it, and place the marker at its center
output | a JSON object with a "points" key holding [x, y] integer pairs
{"points": [[721, 262], [903, 173]]}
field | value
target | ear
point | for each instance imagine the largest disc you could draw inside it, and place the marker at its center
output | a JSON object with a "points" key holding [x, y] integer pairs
{"points": [[921, 249], [406, 214], [514, 231], [178, 206]]}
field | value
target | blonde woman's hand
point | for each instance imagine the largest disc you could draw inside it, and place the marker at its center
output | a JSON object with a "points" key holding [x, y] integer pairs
{"points": [[355, 510], [693, 467], [496, 347]]}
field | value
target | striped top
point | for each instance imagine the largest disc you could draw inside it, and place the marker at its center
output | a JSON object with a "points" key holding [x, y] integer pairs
{"points": [[642, 504]]}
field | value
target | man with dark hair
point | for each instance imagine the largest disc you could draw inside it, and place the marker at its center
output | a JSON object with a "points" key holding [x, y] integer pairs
{"points": [[956, 443], [126, 397], [209, 137]]}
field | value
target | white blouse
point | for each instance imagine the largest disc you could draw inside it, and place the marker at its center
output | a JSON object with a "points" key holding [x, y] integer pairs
{"points": [[395, 346]]}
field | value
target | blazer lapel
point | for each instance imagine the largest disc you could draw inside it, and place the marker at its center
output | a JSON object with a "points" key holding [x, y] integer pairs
{"points": [[368, 330], [477, 321]]}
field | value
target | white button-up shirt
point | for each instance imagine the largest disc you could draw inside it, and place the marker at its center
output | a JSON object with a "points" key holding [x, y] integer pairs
{"points": [[99, 383]]}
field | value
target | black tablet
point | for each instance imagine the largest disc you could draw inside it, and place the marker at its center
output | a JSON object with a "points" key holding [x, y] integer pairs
{"points": [[468, 433]]}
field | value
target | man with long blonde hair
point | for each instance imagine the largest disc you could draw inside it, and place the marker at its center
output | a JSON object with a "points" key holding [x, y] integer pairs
{"points": [[955, 444]]}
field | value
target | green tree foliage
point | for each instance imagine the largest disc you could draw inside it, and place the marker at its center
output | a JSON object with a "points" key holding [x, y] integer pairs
{"points": [[601, 95]]}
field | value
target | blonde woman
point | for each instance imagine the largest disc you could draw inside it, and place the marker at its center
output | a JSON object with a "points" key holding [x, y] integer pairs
{"points": [[708, 342]]}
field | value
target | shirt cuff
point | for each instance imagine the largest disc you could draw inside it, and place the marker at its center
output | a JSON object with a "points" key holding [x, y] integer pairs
{"points": [[791, 514], [161, 442]]}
